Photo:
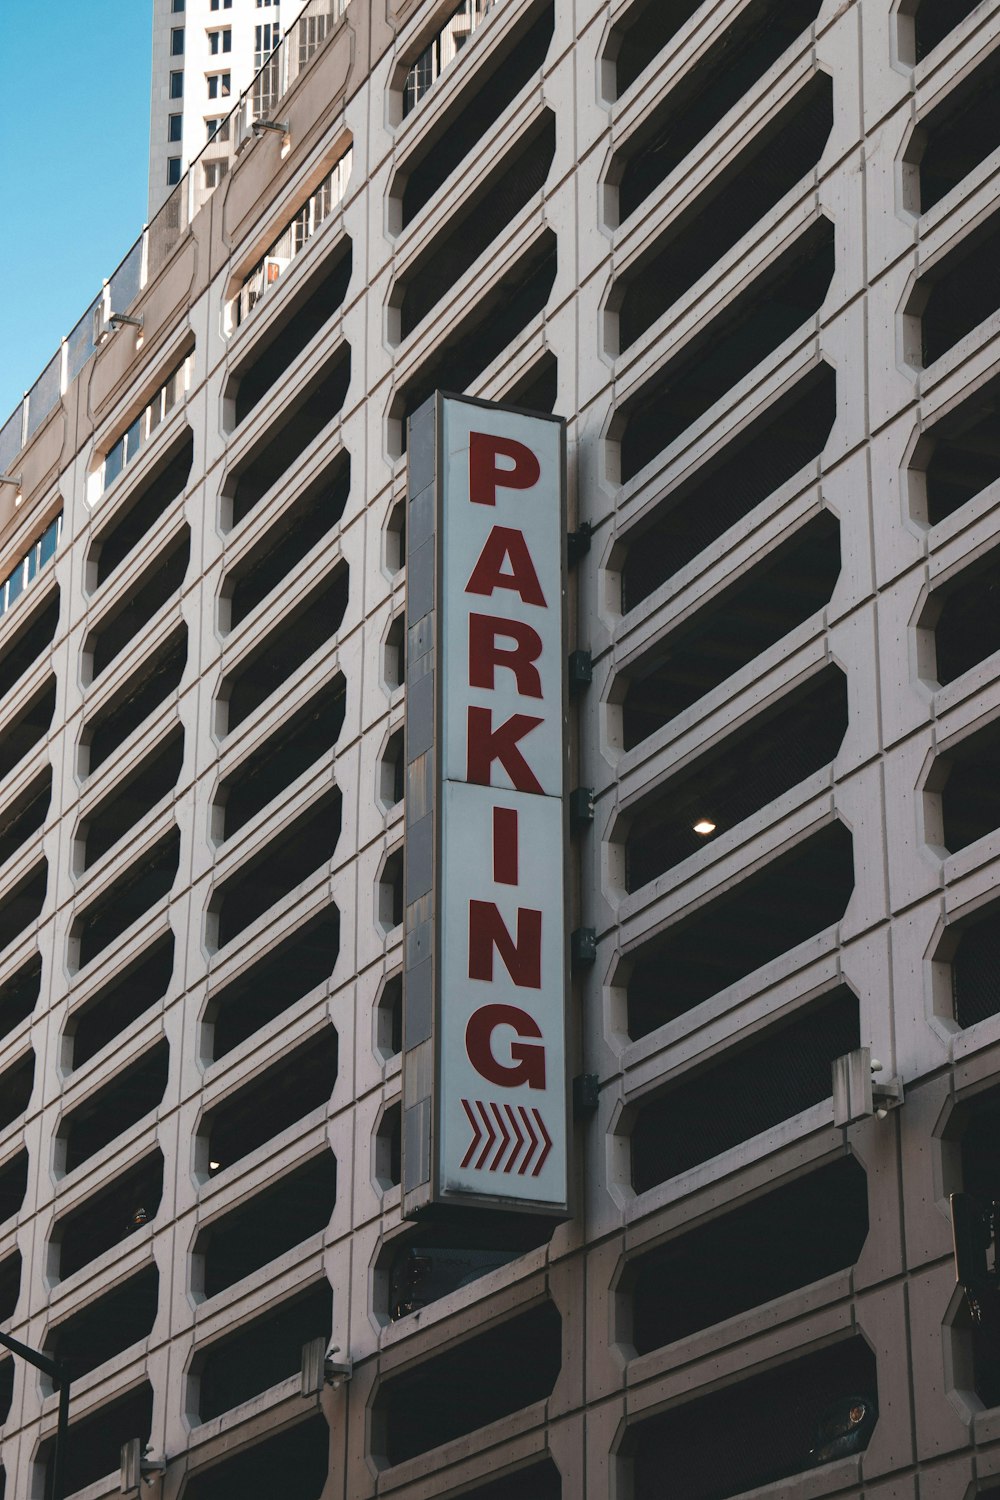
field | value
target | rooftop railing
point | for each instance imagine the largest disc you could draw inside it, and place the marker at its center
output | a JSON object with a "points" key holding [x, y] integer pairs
{"points": [[160, 238]]}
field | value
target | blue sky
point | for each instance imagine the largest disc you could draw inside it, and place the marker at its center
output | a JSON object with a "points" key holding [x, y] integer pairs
{"points": [[74, 155]]}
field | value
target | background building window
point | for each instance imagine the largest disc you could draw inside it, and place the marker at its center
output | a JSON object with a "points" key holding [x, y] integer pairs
{"points": [[176, 5], [177, 42], [174, 127], [177, 85], [173, 171], [219, 85]]}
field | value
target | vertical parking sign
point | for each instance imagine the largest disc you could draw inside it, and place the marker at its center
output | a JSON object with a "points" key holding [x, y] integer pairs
{"points": [[484, 1045]]}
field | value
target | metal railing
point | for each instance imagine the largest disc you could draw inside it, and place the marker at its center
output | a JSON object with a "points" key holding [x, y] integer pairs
{"points": [[161, 237], [442, 50]]}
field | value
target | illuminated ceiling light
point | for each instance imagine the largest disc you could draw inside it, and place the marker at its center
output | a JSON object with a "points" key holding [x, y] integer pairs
{"points": [[704, 826], [214, 1166]]}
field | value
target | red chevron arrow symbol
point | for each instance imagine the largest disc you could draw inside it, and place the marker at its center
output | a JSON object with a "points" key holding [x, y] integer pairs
{"points": [[518, 1137], [505, 1142], [510, 1136], [539, 1164], [477, 1134], [532, 1140], [490, 1132]]}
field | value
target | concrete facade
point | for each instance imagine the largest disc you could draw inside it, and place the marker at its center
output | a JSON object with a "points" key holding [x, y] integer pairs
{"points": [[770, 387]]}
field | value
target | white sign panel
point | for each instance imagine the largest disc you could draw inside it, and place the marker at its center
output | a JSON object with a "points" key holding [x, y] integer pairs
{"points": [[501, 1009]]}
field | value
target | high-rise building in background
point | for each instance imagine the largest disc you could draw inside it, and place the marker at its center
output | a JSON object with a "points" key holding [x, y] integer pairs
{"points": [[206, 53], [747, 251]]}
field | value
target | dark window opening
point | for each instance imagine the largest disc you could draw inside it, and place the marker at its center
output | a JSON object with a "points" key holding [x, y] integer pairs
{"points": [[778, 593], [271, 1102], [779, 1072], [389, 1018], [127, 898], [6, 1390], [15, 1089], [767, 168], [108, 1217], [10, 1285], [481, 1380], [642, 33], [264, 1352], [964, 453], [308, 735], [133, 798], [300, 848], [23, 733], [962, 290], [394, 653], [19, 994], [509, 186], [160, 582], [25, 816], [314, 307], [291, 643], [784, 1240], [388, 1148], [975, 973], [390, 891], [794, 897], [934, 19], [107, 1326], [740, 55], [756, 323], [968, 626], [123, 1000], [540, 1482], [970, 799], [313, 408], [392, 772], [980, 1125], [539, 388], [496, 321], [293, 536], [771, 1425], [960, 132], [127, 528], [489, 91], [774, 752], [22, 905], [27, 644], [94, 1444], [299, 963], [280, 1217], [791, 433], [293, 1465], [158, 676], [13, 1185], [115, 1108]]}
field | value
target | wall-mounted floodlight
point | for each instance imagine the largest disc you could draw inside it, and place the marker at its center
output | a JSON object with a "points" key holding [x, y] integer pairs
{"points": [[856, 1095], [259, 126], [15, 480], [137, 1469], [124, 320], [320, 1367]]}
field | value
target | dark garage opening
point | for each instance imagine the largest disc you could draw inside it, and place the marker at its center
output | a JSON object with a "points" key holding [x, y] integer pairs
{"points": [[784, 589], [127, 898], [756, 1431], [24, 816], [160, 583], [793, 897], [277, 1219], [13, 1185], [786, 1239], [26, 644], [133, 797], [481, 1380], [775, 751], [962, 290], [782, 1070], [19, 994], [108, 1217], [115, 1108], [122, 1000], [107, 1326], [961, 131], [292, 1465], [22, 733], [94, 1444], [130, 524], [968, 626], [970, 796], [272, 1101], [262, 1353], [151, 685], [964, 454], [975, 970], [282, 975]]}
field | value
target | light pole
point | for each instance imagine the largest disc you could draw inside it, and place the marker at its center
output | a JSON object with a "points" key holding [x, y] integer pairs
{"points": [[57, 1371]]}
